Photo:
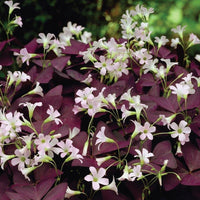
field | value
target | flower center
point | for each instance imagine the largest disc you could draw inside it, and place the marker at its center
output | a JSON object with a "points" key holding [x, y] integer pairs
{"points": [[179, 130], [145, 131], [43, 141], [23, 159], [95, 179]]}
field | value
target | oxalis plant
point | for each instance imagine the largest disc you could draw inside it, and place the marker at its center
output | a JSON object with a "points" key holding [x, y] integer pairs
{"points": [[83, 119]]}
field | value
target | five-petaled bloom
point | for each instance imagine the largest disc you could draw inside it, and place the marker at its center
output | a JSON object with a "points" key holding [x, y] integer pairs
{"points": [[96, 177], [182, 131]]}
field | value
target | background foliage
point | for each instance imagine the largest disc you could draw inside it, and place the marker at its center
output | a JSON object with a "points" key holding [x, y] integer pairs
{"points": [[101, 17]]}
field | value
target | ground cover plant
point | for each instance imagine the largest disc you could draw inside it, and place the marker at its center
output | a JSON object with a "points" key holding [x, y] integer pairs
{"points": [[83, 119]]}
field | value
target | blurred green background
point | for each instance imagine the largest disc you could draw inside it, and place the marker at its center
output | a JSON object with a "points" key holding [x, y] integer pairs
{"points": [[101, 17]]}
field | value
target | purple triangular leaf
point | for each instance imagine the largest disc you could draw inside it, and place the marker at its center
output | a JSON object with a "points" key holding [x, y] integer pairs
{"points": [[16, 196], [45, 76], [192, 179], [162, 152], [193, 100], [191, 156], [57, 193], [31, 46], [75, 48], [5, 58], [60, 62]]}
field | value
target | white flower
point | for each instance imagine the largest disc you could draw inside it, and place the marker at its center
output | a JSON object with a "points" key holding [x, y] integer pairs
{"points": [[193, 39], [174, 42], [53, 115], [69, 193], [31, 107], [146, 131], [169, 64], [25, 55], [144, 155], [102, 160], [181, 90], [45, 40], [179, 30], [101, 138], [96, 177], [4, 158], [162, 41], [112, 186], [18, 21], [182, 131], [37, 90], [12, 6], [72, 133]]}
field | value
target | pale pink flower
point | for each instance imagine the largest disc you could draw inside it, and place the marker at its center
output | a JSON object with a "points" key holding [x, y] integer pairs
{"points": [[101, 138], [28, 170], [134, 102], [17, 77], [12, 6], [45, 40], [31, 107], [22, 158], [143, 56], [28, 139], [136, 172], [150, 65], [167, 120], [162, 71], [69, 193], [74, 132], [74, 155], [53, 116], [96, 177], [169, 64], [146, 131], [126, 113], [93, 106], [179, 30], [182, 131], [126, 173], [84, 95], [65, 36], [162, 41], [127, 96], [24, 55], [18, 21], [103, 65], [64, 148], [127, 25], [112, 186], [45, 143], [4, 158], [181, 90], [193, 39], [174, 42], [56, 46], [101, 160], [86, 37], [37, 90], [76, 109], [88, 79], [11, 123], [88, 55], [143, 155], [117, 70], [74, 28]]}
